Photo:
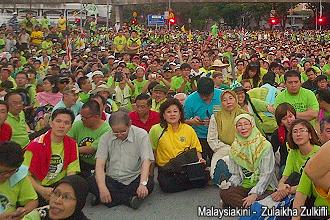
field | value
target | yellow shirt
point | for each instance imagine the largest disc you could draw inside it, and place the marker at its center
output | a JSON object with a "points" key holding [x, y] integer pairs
{"points": [[61, 24], [172, 143], [37, 37]]}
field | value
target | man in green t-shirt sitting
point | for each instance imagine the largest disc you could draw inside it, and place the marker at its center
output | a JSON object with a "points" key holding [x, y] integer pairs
{"points": [[87, 133], [17, 196], [303, 100], [53, 155]]}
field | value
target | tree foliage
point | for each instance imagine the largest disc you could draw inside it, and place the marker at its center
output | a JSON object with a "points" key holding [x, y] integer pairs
{"points": [[234, 14]]}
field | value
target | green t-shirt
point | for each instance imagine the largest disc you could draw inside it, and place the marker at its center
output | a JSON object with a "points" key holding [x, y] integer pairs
{"points": [[307, 188], [295, 161], [305, 99], [19, 128], [14, 195], [119, 43], [55, 171], [139, 86], [87, 137], [84, 97], [176, 83], [47, 45]]}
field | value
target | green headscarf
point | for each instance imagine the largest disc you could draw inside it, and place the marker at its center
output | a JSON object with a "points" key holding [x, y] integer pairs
{"points": [[248, 152]]}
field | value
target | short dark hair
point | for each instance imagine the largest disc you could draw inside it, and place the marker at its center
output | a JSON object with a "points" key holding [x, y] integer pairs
{"points": [[11, 154], [81, 80], [65, 111], [119, 117], [96, 96], [93, 106], [205, 86], [291, 73], [185, 66], [323, 96], [2, 102], [22, 73], [324, 121], [320, 77], [165, 105], [144, 96], [310, 69], [314, 138], [282, 110], [11, 93]]}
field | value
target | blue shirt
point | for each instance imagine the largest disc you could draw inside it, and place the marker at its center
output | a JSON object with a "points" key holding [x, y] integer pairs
{"points": [[75, 108], [195, 106]]}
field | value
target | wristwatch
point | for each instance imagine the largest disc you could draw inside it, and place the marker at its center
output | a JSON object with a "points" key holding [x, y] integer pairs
{"points": [[144, 183]]}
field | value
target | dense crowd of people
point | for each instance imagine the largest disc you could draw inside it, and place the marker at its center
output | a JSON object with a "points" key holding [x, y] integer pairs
{"points": [[106, 112]]}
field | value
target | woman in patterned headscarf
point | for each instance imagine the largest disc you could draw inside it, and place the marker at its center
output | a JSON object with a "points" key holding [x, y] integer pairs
{"points": [[251, 165]]}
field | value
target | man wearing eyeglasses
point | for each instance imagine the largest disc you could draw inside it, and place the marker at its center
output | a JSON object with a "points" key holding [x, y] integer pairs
{"points": [[126, 154], [87, 133], [17, 196]]}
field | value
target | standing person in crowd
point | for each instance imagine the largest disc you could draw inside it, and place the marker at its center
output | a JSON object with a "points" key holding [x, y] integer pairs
{"points": [[198, 108], [119, 43], [220, 135], [304, 143], [5, 129], [144, 117], [87, 133], [16, 119], [73, 191], [252, 174], [126, 154], [18, 197], [303, 100], [285, 114], [53, 155], [170, 138]]}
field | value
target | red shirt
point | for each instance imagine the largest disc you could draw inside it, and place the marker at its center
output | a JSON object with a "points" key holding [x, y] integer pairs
{"points": [[5, 132], [152, 120]]}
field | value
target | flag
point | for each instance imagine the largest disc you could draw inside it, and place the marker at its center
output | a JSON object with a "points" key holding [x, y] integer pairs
{"points": [[68, 48], [183, 29]]}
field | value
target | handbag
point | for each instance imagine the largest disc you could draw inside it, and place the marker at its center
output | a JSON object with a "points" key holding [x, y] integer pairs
{"points": [[175, 165]]}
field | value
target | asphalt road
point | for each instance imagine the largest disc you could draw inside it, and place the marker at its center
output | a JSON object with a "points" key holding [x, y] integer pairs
{"points": [[159, 205]]}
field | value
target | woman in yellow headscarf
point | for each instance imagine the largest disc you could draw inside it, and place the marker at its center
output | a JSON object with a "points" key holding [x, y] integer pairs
{"points": [[251, 164], [221, 134]]}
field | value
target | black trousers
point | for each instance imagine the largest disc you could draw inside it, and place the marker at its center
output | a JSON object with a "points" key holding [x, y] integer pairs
{"points": [[207, 151], [175, 182], [120, 193], [85, 169]]}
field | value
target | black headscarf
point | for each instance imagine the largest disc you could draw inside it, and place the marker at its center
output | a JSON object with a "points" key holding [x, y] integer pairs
{"points": [[80, 188]]}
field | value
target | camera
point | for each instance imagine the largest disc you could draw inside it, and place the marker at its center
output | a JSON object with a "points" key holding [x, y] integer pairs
{"points": [[118, 77], [192, 76]]}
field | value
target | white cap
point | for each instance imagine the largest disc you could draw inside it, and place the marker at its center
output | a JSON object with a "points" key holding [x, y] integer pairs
{"points": [[97, 72], [88, 50], [111, 57]]}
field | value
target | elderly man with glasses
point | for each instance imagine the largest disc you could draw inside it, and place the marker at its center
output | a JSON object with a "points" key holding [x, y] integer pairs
{"points": [[123, 161]]}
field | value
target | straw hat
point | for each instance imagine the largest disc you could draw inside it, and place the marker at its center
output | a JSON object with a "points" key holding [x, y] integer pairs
{"points": [[219, 63]]}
